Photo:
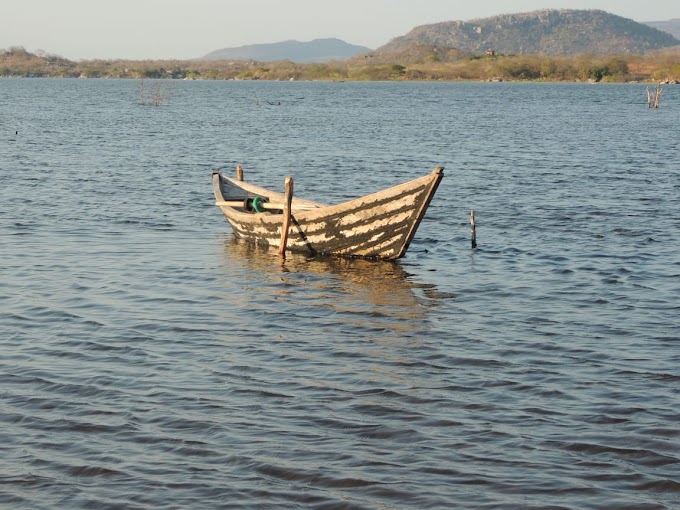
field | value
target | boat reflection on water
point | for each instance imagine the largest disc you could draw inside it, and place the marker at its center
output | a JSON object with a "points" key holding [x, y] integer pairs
{"points": [[367, 295], [323, 323]]}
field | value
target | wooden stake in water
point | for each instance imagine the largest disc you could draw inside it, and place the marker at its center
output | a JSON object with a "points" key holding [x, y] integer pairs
{"points": [[473, 229], [286, 216], [654, 98], [657, 96], [239, 173]]}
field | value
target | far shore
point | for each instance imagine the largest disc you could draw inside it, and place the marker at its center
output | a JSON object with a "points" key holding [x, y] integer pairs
{"points": [[658, 67], [538, 81]]}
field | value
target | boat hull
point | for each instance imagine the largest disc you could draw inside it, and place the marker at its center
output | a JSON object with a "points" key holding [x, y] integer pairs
{"points": [[380, 225]]}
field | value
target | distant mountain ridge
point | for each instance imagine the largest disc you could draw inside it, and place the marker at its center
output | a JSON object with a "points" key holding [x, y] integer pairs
{"points": [[672, 26], [318, 50], [548, 32]]}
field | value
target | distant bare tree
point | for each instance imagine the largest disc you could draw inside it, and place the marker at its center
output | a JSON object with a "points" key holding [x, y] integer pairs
{"points": [[158, 94], [654, 98]]}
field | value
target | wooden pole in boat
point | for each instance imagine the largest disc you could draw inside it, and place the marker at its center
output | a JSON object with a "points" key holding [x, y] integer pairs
{"points": [[473, 229], [286, 216], [239, 173]]}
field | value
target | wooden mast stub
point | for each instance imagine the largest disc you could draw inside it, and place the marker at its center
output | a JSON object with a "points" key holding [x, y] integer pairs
{"points": [[285, 227]]}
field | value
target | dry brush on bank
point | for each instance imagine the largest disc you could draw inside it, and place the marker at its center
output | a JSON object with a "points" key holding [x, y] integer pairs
{"points": [[429, 64]]}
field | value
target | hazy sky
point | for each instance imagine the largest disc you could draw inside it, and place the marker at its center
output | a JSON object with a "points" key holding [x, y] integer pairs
{"points": [[164, 29]]}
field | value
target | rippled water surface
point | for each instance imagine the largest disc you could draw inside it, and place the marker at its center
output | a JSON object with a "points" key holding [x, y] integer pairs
{"points": [[151, 360]]}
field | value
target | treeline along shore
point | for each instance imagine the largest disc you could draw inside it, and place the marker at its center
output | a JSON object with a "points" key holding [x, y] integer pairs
{"points": [[433, 65]]}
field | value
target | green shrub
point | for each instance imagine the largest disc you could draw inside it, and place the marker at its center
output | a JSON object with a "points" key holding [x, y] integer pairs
{"points": [[398, 69]]}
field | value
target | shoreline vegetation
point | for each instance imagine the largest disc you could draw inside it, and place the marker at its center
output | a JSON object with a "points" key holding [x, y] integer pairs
{"points": [[430, 65]]}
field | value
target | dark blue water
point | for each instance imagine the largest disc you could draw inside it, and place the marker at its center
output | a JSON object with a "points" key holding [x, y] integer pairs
{"points": [[150, 360]]}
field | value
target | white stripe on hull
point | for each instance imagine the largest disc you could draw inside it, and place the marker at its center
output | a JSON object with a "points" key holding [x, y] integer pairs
{"points": [[379, 225]]}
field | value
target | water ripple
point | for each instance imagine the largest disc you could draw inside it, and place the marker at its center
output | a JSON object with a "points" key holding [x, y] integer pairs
{"points": [[151, 360]]}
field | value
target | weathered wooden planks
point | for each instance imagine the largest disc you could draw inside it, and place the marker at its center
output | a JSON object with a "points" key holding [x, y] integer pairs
{"points": [[380, 225]]}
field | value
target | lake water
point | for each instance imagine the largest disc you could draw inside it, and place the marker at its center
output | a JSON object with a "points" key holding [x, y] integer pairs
{"points": [[150, 360]]}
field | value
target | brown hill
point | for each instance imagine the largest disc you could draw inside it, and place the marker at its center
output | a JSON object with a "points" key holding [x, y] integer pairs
{"points": [[548, 32]]}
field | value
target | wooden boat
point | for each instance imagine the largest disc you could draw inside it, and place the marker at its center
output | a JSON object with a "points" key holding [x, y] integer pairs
{"points": [[380, 225]]}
